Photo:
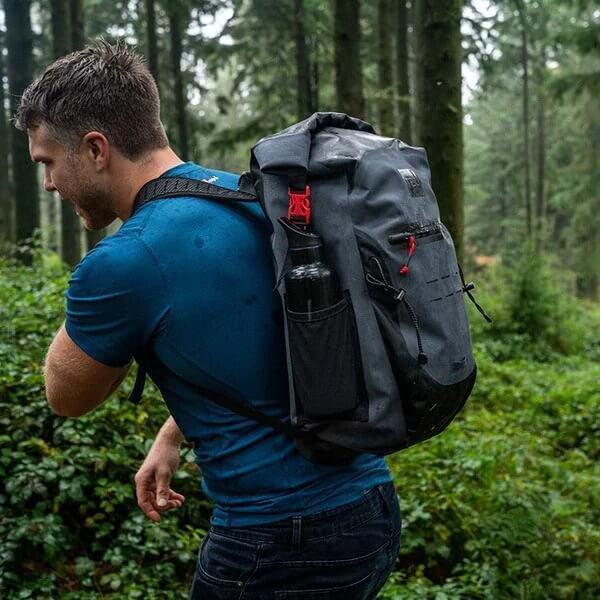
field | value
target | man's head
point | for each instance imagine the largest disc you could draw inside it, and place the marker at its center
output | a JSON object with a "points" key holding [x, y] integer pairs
{"points": [[88, 116]]}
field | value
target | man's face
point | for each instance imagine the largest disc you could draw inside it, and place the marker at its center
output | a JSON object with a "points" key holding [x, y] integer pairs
{"points": [[73, 177]]}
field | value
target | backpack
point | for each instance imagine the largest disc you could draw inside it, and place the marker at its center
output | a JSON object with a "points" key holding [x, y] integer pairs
{"points": [[390, 364]]}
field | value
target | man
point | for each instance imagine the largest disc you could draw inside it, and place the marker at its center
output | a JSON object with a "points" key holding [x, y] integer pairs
{"points": [[185, 287]]}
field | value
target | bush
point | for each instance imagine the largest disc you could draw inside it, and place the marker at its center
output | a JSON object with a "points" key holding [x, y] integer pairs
{"points": [[70, 525], [534, 315], [504, 504]]}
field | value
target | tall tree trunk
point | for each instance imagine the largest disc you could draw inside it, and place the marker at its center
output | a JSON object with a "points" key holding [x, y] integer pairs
{"points": [[348, 65], [525, 99], [303, 91], [175, 15], [70, 241], [384, 68], [540, 192], [152, 39], [417, 44], [20, 73], [402, 81], [442, 129], [6, 204], [315, 74], [77, 24], [61, 34]]}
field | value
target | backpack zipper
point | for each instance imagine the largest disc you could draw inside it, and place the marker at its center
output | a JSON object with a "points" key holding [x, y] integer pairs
{"points": [[410, 237]]}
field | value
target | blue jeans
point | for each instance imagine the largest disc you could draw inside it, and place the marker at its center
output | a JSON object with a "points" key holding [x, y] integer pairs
{"points": [[347, 552]]}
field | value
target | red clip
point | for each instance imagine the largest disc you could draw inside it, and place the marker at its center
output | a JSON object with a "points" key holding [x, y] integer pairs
{"points": [[412, 246], [299, 207]]}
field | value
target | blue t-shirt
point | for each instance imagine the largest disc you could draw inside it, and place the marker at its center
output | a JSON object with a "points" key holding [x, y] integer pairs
{"points": [[186, 286]]}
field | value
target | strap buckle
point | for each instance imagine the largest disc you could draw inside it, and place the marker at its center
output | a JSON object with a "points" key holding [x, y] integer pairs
{"points": [[299, 209]]}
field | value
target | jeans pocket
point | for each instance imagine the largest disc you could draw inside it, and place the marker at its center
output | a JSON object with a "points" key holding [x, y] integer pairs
{"points": [[358, 590], [224, 566]]}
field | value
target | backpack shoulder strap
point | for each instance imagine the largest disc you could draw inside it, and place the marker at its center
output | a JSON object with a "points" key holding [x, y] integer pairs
{"points": [[241, 408], [173, 187]]}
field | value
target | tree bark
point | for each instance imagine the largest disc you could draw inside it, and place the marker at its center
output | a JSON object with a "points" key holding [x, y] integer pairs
{"points": [[61, 34], [348, 65], [417, 43], [540, 193], [77, 24], [152, 40], [70, 237], [402, 80], [384, 68], [175, 15], [525, 100], [20, 74], [6, 204], [303, 83], [442, 129]]}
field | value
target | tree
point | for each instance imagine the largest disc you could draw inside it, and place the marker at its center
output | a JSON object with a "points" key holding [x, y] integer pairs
{"points": [[6, 206], [19, 41], [525, 99], [348, 64], [77, 24], [402, 70], [178, 15], [61, 44], [442, 129], [384, 68], [152, 39], [303, 74], [417, 44]]}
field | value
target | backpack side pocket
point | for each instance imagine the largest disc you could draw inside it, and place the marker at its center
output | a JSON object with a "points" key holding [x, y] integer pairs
{"points": [[326, 365]]}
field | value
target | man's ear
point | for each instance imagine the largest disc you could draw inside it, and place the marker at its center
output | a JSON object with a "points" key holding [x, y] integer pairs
{"points": [[95, 148]]}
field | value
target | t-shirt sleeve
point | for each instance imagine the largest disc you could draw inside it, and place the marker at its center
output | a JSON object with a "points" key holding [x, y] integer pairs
{"points": [[117, 300]]}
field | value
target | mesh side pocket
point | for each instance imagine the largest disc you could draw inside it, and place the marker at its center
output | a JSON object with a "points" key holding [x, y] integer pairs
{"points": [[325, 360]]}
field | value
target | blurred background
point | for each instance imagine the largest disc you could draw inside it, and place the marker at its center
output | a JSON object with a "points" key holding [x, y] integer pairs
{"points": [[503, 95]]}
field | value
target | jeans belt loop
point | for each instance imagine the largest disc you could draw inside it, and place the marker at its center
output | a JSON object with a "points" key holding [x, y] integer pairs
{"points": [[296, 532]]}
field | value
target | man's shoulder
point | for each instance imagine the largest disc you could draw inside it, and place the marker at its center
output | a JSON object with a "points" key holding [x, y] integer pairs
{"points": [[121, 256]]}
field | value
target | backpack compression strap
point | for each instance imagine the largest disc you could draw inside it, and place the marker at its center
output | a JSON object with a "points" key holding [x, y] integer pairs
{"points": [[173, 187]]}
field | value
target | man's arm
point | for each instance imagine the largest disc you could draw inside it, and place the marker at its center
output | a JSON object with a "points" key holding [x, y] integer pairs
{"points": [[75, 382], [153, 480]]}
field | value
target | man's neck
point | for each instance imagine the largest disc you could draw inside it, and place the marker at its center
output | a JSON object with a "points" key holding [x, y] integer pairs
{"points": [[139, 173]]}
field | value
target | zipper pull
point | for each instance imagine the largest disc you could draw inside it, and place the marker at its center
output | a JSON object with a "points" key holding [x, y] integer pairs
{"points": [[412, 246]]}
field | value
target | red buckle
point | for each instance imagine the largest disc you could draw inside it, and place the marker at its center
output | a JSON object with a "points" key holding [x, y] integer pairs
{"points": [[299, 207]]}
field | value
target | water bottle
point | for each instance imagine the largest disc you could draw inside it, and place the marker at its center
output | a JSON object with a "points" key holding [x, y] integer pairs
{"points": [[310, 284]]}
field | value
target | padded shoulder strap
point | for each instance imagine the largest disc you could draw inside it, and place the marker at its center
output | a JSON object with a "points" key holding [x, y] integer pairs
{"points": [[173, 187]]}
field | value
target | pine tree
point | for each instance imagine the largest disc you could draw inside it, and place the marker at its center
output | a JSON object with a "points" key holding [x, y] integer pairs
{"points": [[442, 133], [19, 41], [348, 64]]}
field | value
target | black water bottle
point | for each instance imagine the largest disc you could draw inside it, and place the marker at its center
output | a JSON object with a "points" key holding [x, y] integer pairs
{"points": [[310, 284]]}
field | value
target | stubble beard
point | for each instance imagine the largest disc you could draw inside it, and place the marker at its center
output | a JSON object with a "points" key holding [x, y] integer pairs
{"points": [[94, 207]]}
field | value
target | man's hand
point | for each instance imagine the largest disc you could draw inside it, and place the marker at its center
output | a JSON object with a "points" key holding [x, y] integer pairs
{"points": [[152, 481]]}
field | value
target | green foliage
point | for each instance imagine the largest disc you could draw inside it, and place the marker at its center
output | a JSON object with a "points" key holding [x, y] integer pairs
{"points": [[69, 523], [534, 313], [504, 504]]}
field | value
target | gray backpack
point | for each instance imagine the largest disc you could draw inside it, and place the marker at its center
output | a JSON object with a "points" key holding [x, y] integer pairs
{"points": [[391, 364]]}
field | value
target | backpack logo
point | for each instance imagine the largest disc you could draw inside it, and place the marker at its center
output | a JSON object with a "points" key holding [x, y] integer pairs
{"points": [[413, 182]]}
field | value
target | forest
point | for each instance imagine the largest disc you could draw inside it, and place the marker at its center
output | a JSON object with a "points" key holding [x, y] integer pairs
{"points": [[503, 96]]}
